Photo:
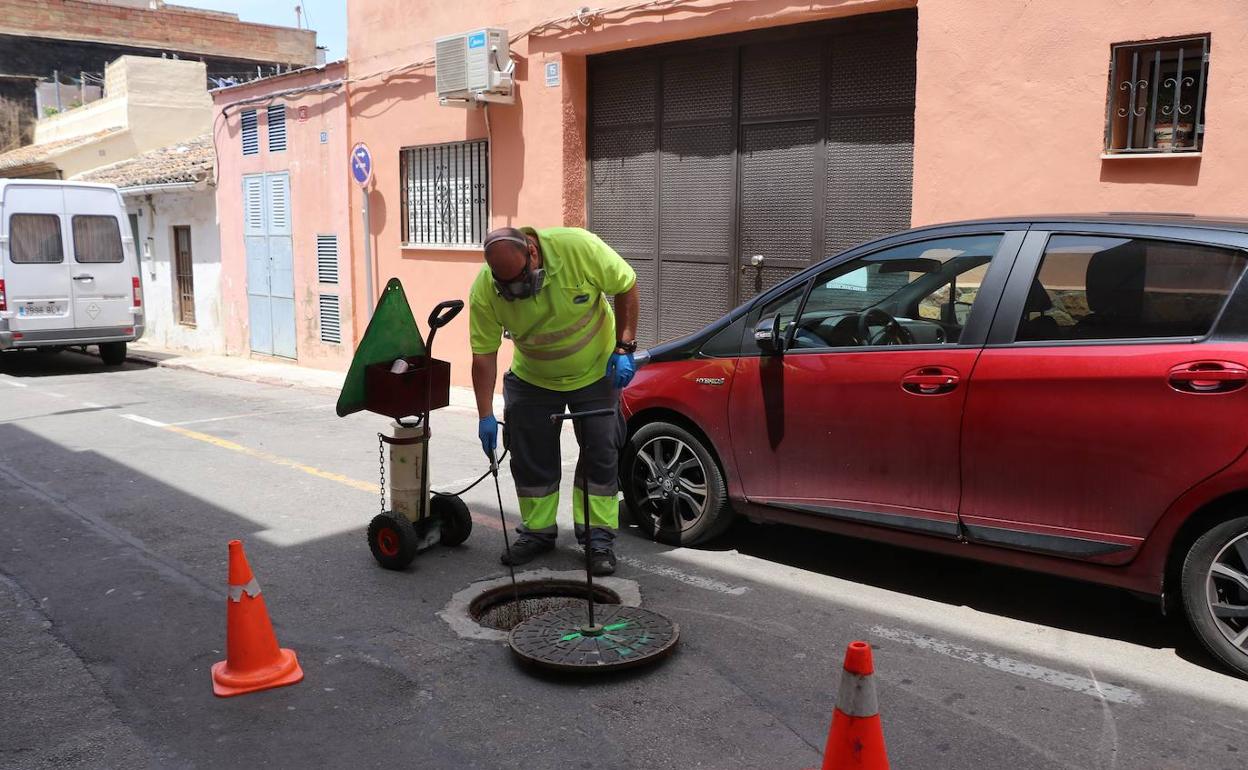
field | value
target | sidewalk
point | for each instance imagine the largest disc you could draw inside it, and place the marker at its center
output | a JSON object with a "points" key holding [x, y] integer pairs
{"points": [[270, 372]]}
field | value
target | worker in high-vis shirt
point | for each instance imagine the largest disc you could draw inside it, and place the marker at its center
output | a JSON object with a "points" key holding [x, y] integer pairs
{"points": [[548, 290]]}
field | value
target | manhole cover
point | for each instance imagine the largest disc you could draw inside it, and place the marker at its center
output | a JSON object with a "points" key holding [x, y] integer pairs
{"points": [[623, 637], [497, 608]]}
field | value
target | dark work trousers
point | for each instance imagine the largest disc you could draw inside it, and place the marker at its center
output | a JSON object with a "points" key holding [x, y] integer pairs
{"points": [[536, 463]]}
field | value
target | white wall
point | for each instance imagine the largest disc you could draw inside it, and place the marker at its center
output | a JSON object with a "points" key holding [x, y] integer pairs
{"points": [[158, 214]]}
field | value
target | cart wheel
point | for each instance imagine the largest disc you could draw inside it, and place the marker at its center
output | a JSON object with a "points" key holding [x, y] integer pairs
{"points": [[455, 519], [392, 540]]}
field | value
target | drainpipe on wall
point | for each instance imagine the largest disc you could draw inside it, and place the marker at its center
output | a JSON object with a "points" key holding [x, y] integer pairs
{"points": [[149, 243]]}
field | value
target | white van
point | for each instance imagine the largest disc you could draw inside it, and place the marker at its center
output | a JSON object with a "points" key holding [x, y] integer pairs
{"points": [[69, 274]]}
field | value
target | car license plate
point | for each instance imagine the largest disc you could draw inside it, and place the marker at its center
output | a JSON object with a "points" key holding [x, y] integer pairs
{"points": [[38, 309]]}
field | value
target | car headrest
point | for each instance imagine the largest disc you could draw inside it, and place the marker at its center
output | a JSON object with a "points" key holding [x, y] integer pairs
{"points": [[1037, 299], [1115, 281]]}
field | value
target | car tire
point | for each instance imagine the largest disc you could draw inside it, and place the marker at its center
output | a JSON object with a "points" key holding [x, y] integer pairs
{"points": [[113, 353], [1202, 589], [675, 448]]}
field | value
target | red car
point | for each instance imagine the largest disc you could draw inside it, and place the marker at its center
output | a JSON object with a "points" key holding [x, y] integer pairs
{"points": [[1067, 395]]}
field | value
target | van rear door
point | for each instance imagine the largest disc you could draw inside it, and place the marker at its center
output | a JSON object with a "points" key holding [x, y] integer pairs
{"points": [[102, 273], [36, 261]]}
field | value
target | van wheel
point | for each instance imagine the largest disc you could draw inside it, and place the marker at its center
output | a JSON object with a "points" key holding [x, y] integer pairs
{"points": [[113, 353], [672, 486], [1215, 591]]}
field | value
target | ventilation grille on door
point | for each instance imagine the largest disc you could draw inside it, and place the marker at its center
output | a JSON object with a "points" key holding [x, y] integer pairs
{"points": [[327, 258], [331, 319], [253, 204], [279, 204], [277, 128], [251, 133]]}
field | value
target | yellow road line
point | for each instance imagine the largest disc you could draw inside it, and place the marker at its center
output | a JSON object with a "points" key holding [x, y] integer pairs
{"points": [[363, 486], [286, 462]]}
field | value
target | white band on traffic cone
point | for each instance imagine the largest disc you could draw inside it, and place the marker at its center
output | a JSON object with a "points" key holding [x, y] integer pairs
{"points": [[252, 589], [856, 698]]}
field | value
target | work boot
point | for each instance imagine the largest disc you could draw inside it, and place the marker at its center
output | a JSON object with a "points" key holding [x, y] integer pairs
{"points": [[602, 561], [526, 548]]}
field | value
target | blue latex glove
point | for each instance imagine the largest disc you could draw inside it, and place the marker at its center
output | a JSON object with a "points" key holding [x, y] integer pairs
{"points": [[620, 368], [487, 431]]}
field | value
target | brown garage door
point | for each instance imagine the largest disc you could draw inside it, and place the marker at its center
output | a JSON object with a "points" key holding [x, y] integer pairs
{"points": [[719, 167]]}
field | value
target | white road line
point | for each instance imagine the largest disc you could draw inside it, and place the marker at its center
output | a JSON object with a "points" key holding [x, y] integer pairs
{"points": [[92, 405], [53, 395], [1101, 691], [142, 420], [694, 580], [252, 414], [12, 383]]}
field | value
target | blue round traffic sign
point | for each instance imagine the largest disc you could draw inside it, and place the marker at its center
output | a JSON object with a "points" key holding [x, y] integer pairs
{"points": [[361, 164]]}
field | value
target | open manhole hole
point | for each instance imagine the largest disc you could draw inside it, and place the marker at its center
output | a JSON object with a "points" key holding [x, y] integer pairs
{"points": [[499, 609]]}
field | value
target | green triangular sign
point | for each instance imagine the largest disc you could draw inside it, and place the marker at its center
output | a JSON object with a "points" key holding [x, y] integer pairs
{"points": [[391, 334]]}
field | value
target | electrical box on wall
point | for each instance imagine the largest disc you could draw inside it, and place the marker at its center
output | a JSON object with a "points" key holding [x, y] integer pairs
{"points": [[474, 67]]}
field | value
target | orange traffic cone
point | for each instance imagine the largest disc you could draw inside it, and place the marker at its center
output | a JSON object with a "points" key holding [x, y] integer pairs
{"points": [[856, 738], [253, 660]]}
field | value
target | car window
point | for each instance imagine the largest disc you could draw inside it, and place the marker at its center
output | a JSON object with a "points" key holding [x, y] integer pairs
{"points": [[97, 238], [914, 294], [35, 239], [1096, 287]]}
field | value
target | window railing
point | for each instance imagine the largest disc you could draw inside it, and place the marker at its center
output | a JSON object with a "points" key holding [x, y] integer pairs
{"points": [[445, 192], [1156, 100]]}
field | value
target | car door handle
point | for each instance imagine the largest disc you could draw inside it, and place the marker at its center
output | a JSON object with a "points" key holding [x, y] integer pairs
{"points": [[1208, 377], [84, 277], [929, 380]]}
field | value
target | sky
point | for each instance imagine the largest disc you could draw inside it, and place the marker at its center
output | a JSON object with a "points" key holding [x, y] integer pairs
{"points": [[327, 17]]}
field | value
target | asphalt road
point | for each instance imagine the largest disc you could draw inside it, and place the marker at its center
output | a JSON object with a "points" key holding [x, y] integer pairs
{"points": [[120, 488]]}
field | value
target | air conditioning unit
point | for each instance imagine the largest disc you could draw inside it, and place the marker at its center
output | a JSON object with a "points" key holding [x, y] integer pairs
{"points": [[474, 67]]}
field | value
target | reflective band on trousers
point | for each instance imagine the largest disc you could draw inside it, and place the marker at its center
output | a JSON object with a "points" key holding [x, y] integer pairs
{"points": [[252, 589], [597, 313], [856, 697]]}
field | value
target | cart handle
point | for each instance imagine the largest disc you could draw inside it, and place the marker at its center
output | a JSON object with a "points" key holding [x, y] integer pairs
{"points": [[443, 312], [560, 417], [441, 315]]}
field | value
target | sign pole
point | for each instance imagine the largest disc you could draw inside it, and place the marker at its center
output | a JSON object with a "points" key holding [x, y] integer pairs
{"points": [[368, 256], [361, 165]]}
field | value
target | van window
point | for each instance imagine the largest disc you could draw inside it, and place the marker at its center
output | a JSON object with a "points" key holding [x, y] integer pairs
{"points": [[35, 239], [97, 238]]}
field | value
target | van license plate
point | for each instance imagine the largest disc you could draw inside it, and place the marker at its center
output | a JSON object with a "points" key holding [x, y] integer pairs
{"points": [[34, 309]]}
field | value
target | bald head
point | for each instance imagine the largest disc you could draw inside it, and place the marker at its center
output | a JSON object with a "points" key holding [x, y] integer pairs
{"points": [[507, 250]]}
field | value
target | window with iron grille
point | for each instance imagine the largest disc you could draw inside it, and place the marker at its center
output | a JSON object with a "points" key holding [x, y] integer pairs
{"points": [[1157, 96], [445, 191], [327, 258], [331, 319], [277, 128], [251, 133], [184, 276]]}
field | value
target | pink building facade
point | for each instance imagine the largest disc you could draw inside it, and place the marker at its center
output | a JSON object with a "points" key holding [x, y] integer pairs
{"points": [[721, 146], [282, 203]]}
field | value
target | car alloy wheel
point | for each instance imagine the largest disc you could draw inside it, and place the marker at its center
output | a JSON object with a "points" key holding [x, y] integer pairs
{"points": [[673, 488], [1227, 589], [670, 481]]}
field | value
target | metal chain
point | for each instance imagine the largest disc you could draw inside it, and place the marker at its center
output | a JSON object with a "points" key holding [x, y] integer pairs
{"points": [[381, 471]]}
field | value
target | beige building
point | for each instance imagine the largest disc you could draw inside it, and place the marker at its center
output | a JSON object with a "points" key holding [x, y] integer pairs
{"points": [[148, 103]]}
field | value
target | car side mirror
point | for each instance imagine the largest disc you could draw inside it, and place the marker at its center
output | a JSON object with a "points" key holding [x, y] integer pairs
{"points": [[769, 336]]}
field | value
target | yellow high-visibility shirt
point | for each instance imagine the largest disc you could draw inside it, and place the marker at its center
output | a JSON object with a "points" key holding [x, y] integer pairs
{"points": [[565, 334]]}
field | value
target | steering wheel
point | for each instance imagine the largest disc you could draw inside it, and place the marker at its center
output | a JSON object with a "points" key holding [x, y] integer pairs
{"points": [[891, 331]]}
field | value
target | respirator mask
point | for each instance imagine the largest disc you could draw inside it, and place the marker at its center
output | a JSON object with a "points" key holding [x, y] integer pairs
{"points": [[525, 285]]}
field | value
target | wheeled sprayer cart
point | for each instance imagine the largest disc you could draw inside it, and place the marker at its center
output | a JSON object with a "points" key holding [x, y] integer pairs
{"points": [[395, 374]]}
